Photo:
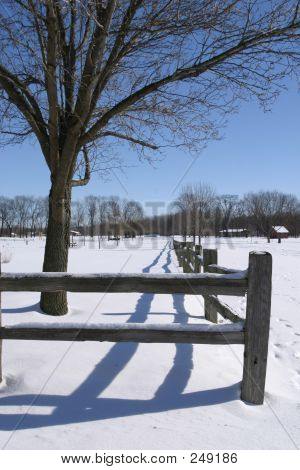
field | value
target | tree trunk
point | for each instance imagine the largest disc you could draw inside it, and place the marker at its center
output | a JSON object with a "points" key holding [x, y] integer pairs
{"points": [[57, 249], [199, 237]]}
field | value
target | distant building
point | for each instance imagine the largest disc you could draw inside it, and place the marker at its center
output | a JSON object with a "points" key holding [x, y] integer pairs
{"points": [[278, 231], [234, 232], [73, 233]]}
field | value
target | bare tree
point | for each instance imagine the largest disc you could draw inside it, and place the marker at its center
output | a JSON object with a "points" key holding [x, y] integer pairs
{"points": [[102, 218], [79, 75], [206, 199], [22, 209], [268, 209], [196, 202], [185, 204], [36, 214], [25, 213], [228, 203], [102, 214], [291, 215], [43, 214], [10, 215], [240, 218], [114, 215], [132, 213], [4, 210], [91, 208], [78, 215]]}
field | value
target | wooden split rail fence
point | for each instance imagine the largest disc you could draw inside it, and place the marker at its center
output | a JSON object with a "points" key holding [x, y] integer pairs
{"points": [[193, 258], [253, 334]]}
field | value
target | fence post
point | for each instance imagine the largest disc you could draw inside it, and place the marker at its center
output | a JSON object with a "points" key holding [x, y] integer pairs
{"points": [[210, 256], [198, 252], [175, 246], [181, 254], [187, 257], [257, 327]]}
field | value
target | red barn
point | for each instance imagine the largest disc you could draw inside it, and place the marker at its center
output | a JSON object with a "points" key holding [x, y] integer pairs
{"points": [[279, 232]]}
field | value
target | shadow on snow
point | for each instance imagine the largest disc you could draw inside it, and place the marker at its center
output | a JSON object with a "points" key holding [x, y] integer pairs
{"points": [[29, 308], [84, 404]]}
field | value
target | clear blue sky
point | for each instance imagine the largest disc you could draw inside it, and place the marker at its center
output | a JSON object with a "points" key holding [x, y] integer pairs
{"points": [[258, 151]]}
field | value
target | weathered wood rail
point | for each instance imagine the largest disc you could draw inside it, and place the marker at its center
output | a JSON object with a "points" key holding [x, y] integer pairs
{"points": [[134, 332], [253, 334], [191, 261], [257, 323], [207, 283]]}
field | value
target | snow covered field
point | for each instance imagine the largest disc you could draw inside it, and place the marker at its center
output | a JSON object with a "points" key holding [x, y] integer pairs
{"points": [[139, 396]]}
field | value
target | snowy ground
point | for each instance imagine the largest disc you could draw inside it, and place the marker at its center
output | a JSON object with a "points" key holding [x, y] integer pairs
{"points": [[131, 396]]}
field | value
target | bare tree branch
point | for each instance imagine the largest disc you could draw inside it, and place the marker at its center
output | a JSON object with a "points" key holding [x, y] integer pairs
{"points": [[168, 71], [187, 73], [87, 176], [129, 139]]}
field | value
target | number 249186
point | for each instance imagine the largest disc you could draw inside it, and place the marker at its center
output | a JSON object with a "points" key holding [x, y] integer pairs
{"points": [[209, 457]]}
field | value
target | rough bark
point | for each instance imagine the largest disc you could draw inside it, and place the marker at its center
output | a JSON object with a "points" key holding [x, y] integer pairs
{"points": [[57, 248]]}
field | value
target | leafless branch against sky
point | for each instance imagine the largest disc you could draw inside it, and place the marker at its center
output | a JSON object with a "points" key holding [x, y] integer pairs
{"points": [[83, 75]]}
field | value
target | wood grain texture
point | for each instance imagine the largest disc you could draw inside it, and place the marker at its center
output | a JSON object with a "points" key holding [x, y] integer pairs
{"points": [[125, 333], [257, 327], [223, 309], [210, 256], [145, 283], [214, 268]]}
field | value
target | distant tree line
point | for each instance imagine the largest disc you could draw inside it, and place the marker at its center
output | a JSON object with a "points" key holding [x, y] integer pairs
{"points": [[23, 216], [198, 211], [27, 216], [107, 216]]}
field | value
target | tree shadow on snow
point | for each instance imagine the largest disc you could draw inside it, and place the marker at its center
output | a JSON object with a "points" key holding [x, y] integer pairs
{"points": [[85, 403], [30, 308]]}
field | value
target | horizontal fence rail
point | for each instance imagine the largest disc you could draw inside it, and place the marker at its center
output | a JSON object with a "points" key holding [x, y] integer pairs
{"points": [[191, 262], [192, 258], [223, 309], [214, 268], [231, 284], [135, 332], [215, 280]]}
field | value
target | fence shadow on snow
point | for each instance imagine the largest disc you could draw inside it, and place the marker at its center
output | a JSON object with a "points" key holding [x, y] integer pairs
{"points": [[85, 405]]}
